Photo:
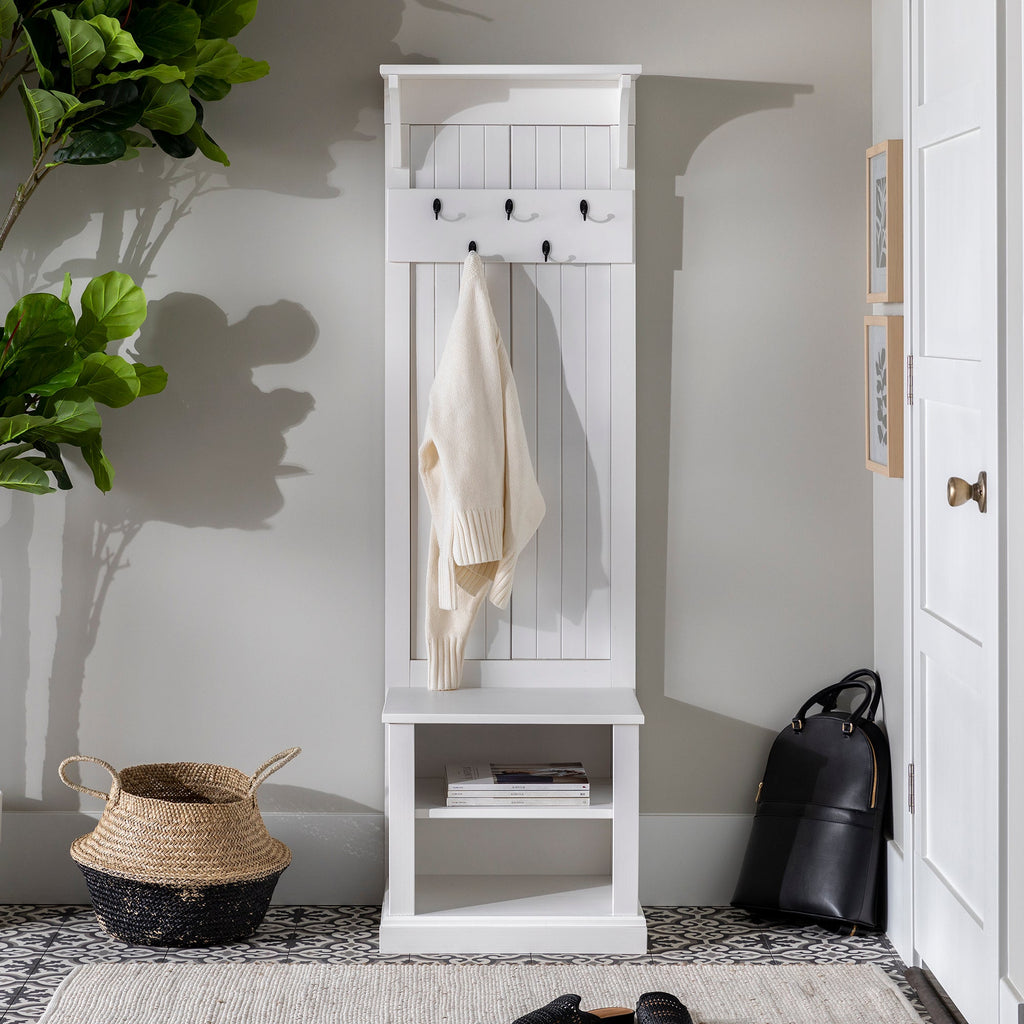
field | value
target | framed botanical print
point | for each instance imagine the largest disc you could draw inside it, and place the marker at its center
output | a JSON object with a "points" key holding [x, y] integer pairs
{"points": [[885, 221], [883, 394]]}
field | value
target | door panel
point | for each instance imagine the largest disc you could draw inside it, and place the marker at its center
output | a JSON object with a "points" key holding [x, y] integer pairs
{"points": [[949, 48], [952, 819], [951, 285], [951, 540], [954, 189]]}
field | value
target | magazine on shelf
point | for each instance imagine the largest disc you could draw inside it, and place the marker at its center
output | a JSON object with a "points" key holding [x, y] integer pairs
{"points": [[557, 777], [518, 800]]}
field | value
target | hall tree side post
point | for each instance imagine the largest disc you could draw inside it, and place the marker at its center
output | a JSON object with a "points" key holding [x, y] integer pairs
{"points": [[553, 677]]}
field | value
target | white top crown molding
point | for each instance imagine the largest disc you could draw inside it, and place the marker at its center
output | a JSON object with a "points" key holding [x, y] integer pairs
{"points": [[587, 94]]}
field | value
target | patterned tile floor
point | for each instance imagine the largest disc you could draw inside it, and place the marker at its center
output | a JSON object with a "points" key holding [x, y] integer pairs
{"points": [[40, 945]]}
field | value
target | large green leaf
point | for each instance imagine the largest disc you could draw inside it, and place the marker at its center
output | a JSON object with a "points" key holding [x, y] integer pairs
{"points": [[20, 475], [42, 45], [102, 470], [88, 9], [120, 107], [249, 70], [225, 18], [72, 105], [179, 146], [91, 147], [44, 111], [43, 373], [39, 321], [159, 72], [109, 380], [113, 307], [168, 107], [12, 451], [82, 44], [216, 58], [74, 421], [16, 426], [119, 44], [55, 463], [166, 31], [210, 89], [152, 379], [8, 16], [134, 141], [207, 146]]}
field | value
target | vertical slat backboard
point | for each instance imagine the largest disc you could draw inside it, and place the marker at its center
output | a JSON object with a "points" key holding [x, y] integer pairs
{"points": [[557, 321], [524, 364]]}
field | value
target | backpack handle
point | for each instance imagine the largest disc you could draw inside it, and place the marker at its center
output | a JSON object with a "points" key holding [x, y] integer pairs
{"points": [[828, 697]]}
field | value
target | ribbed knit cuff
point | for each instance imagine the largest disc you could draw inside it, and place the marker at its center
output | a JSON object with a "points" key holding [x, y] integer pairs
{"points": [[501, 589], [444, 662], [478, 535]]}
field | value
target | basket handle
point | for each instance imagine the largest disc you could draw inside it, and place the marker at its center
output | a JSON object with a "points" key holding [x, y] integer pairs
{"points": [[115, 783], [268, 768]]}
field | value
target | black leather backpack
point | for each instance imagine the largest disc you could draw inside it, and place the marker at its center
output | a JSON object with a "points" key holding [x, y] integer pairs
{"points": [[817, 846]]}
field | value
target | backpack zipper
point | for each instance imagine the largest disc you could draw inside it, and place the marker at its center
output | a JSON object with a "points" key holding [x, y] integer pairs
{"points": [[874, 765]]}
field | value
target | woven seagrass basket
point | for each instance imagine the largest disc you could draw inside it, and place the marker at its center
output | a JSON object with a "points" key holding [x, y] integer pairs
{"points": [[181, 856]]}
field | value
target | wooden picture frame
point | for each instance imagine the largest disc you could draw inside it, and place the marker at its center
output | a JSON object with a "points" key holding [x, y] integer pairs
{"points": [[884, 201], [883, 394]]}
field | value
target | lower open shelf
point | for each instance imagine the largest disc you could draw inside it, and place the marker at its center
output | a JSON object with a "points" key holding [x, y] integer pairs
{"points": [[512, 914]]}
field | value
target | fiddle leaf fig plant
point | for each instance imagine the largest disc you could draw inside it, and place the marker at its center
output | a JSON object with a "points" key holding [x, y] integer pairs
{"points": [[100, 79], [54, 370]]}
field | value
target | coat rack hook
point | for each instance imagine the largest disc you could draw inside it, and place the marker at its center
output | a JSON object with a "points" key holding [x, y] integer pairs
{"points": [[472, 246], [584, 208], [546, 249], [437, 208], [509, 207]]}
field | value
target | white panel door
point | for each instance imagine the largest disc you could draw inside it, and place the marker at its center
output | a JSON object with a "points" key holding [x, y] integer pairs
{"points": [[955, 585]]}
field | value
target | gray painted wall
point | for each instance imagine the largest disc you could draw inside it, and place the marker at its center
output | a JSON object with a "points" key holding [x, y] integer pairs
{"points": [[887, 498], [226, 599]]}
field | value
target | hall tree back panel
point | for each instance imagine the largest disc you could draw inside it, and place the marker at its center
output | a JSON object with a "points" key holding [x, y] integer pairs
{"points": [[557, 322]]}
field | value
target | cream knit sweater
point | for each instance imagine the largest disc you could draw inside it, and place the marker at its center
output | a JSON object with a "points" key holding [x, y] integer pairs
{"points": [[485, 504]]}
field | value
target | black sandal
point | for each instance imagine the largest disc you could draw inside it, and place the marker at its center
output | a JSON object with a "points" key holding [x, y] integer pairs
{"points": [[661, 1008], [566, 1010]]}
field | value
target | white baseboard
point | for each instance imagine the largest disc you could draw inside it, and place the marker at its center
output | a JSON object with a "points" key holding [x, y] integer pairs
{"points": [[337, 859]]}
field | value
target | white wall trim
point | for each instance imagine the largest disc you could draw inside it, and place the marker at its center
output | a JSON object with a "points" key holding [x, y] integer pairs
{"points": [[898, 924], [685, 859]]}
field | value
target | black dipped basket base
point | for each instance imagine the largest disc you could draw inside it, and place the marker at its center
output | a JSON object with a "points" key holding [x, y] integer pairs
{"points": [[152, 914]]}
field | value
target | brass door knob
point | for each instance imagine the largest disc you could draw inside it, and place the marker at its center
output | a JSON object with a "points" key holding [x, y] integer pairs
{"points": [[959, 491]]}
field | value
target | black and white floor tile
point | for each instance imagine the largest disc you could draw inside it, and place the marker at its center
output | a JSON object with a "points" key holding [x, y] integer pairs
{"points": [[39, 946]]}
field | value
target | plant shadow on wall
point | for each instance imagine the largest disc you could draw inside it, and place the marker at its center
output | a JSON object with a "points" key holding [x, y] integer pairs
{"points": [[208, 455], [675, 115]]}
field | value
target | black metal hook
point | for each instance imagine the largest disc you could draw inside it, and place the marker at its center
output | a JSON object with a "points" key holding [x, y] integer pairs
{"points": [[509, 207], [437, 208], [584, 208], [472, 246], [546, 249]]}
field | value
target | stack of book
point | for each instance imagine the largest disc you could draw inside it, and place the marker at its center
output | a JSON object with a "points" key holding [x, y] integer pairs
{"points": [[558, 784]]}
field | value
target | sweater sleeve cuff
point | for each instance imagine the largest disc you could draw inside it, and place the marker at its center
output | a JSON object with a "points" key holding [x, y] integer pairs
{"points": [[478, 535], [444, 662], [501, 589]]}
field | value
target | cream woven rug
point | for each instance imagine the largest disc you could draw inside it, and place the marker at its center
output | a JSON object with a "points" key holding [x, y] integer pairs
{"points": [[438, 993]]}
